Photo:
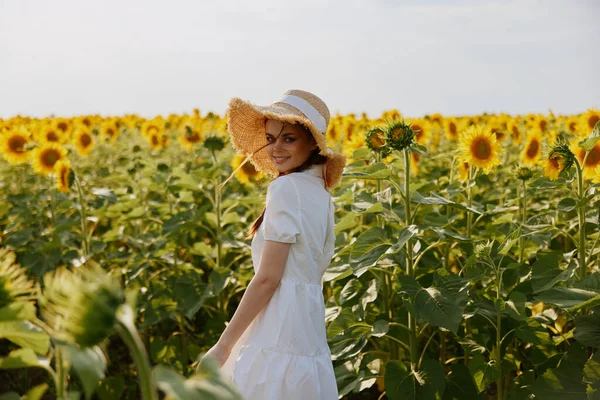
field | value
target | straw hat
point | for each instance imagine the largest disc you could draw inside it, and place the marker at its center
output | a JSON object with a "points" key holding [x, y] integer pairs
{"points": [[246, 126]]}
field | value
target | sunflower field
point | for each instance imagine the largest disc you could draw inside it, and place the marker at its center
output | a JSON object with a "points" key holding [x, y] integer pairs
{"points": [[467, 260]]}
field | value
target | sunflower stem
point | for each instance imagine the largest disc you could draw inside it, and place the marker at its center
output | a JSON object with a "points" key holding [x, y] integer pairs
{"points": [[129, 334], [61, 374], [498, 355], [449, 246], [470, 201], [222, 300], [581, 214], [524, 211], [469, 224], [412, 323], [86, 248]]}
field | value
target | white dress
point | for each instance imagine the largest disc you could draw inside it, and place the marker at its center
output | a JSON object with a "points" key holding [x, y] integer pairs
{"points": [[284, 355]]}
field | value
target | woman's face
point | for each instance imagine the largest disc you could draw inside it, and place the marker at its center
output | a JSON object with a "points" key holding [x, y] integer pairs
{"points": [[289, 145]]}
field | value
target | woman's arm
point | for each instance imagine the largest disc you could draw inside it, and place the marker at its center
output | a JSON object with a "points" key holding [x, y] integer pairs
{"points": [[258, 293]]}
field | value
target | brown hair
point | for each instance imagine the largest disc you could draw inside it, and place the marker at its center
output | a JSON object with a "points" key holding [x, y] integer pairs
{"points": [[313, 159]]}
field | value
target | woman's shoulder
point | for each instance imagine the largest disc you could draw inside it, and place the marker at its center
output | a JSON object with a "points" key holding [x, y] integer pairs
{"points": [[284, 182]]}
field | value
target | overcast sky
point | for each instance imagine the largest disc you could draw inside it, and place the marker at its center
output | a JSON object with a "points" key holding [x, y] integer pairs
{"points": [[72, 57]]}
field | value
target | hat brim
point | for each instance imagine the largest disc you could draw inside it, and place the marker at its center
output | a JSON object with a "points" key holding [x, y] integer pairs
{"points": [[246, 126]]}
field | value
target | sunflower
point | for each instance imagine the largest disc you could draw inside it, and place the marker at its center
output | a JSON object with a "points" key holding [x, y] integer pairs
{"points": [[541, 123], [349, 129], [572, 125], [559, 159], [81, 306], [45, 157], [421, 131], [49, 134], [332, 132], [524, 173], [514, 129], [436, 118], [150, 128], [532, 152], [399, 135], [84, 142], [110, 131], [591, 162], [596, 177], [13, 146], [479, 147], [214, 143], [553, 166], [15, 287], [589, 120], [391, 114], [86, 121], [375, 139], [463, 170], [63, 125], [451, 128], [63, 175], [189, 138], [247, 172]]}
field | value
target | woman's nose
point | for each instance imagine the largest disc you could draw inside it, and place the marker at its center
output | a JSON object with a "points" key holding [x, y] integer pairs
{"points": [[277, 144]]}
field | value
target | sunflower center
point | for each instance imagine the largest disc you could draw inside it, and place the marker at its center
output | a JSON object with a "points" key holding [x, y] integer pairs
{"points": [[593, 120], [543, 125], [16, 144], [64, 177], [155, 141], [50, 157], [85, 140], [452, 128], [398, 133], [554, 163], [377, 141], [193, 137], [249, 169], [62, 126], [110, 132], [593, 158], [532, 148], [51, 136], [481, 148], [499, 134], [572, 126]]}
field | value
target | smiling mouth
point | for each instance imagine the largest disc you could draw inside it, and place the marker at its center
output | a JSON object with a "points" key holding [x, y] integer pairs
{"points": [[279, 160]]}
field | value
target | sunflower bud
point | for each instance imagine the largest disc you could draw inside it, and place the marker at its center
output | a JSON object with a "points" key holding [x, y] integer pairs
{"points": [[64, 175], [483, 250], [14, 285], [214, 143], [81, 306], [524, 173], [375, 139], [399, 135]]}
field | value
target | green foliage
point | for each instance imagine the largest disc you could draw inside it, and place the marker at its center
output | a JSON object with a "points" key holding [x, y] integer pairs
{"points": [[439, 288]]}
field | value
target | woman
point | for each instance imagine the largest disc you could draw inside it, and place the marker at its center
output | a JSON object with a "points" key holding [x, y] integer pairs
{"points": [[275, 346]]}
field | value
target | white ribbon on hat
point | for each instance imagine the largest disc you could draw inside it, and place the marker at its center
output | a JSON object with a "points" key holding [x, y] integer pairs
{"points": [[307, 109]]}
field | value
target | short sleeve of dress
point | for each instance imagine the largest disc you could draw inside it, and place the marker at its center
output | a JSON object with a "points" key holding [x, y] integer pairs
{"points": [[282, 220]]}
